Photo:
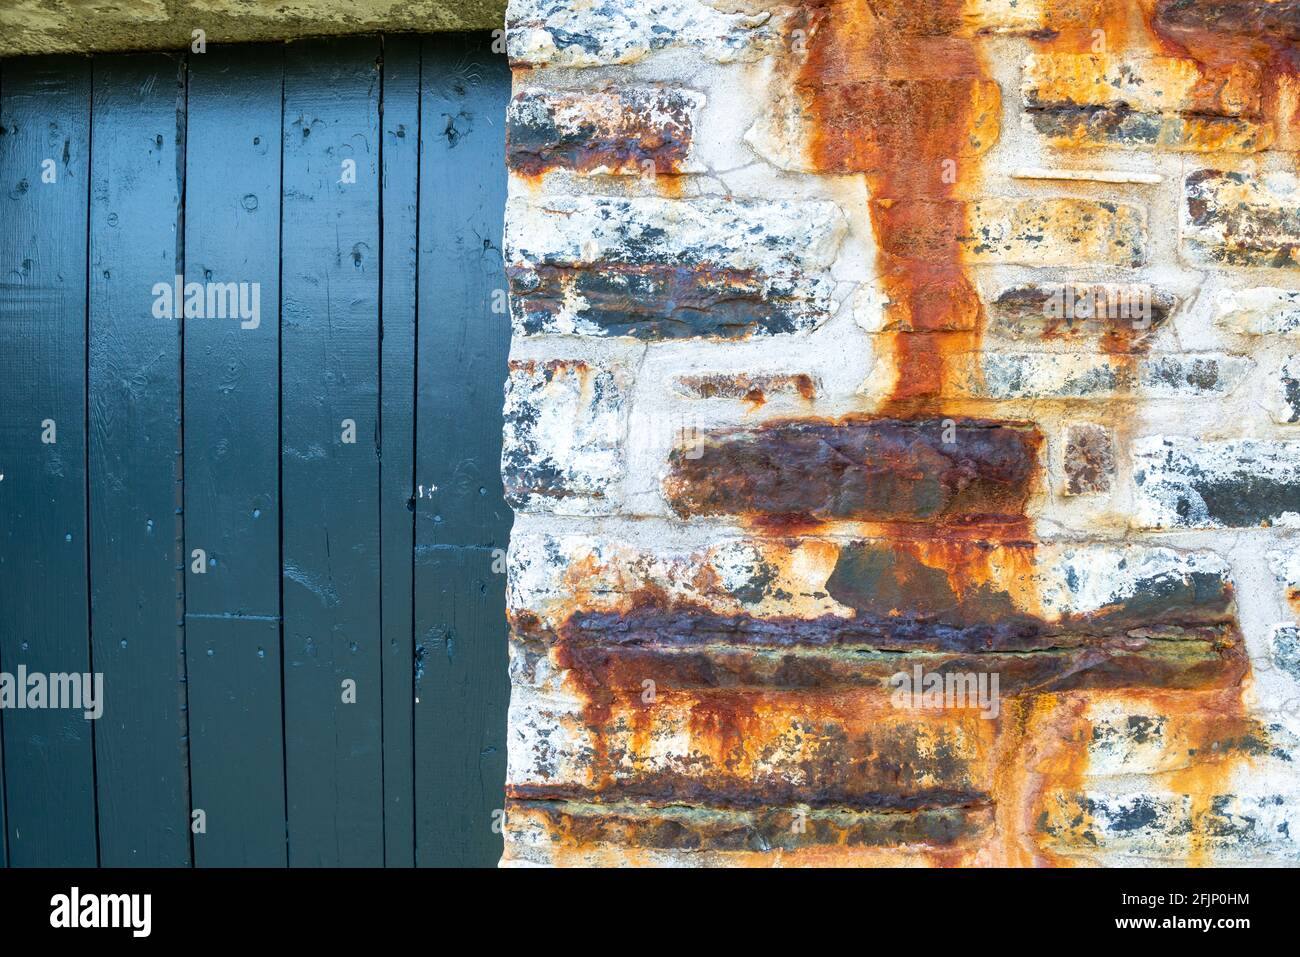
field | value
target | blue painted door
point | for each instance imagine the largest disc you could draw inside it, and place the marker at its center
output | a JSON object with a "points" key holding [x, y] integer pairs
{"points": [[246, 311]]}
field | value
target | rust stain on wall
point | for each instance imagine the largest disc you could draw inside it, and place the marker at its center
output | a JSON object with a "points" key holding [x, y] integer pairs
{"points": [[918, 149], [756, 718], [1227, 34], [642, 133], [657, 301], [870, 469], [1240, 61], [912, 112]]}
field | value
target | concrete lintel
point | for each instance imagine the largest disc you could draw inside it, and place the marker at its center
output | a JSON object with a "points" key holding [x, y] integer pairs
{"points": [[88, 26]]}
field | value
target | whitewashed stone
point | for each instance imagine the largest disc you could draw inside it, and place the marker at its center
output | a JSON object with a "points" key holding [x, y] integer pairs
{"points": [[563, 34], [1080, 375], [659, 268], [1185, 483], [564, 437], [1259, 311]]}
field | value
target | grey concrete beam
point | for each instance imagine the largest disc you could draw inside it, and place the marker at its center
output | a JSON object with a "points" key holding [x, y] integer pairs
{"points": [[86, 26]]}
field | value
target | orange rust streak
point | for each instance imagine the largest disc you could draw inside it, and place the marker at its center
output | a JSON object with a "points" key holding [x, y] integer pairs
{"points": [[1223, 60], [919, 148], [1036, 761], [918, 162], [912, 143], [1042, 751], [1223, 56], [1276, 58]]}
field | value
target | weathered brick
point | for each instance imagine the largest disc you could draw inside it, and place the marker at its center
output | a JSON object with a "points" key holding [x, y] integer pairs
{"points": [[653, 268], [1185, 483], [1283, 401], [718, 747], [1080, 375], [1284, 648], [565, 423], [1148, 825], [1186, 376], [1038, 19], [572, 833], [1286, 567], [1122, 317], [1036, 375], [1187, 779], [860, 124], [1089, 459], [1160, 732], [1258, 20], [754, 387], [1259, 311], [631, 131], [1035, 232], [1082, 613], [1152, 84], [1237, 219], [867, 469], [563, 34], [1099, 100]]}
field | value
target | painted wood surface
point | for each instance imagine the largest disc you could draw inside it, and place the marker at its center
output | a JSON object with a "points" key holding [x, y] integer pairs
{"points": [[462, 687], [400, 153], [136, 578], [329, 455], [44, 619], [232, 456], [323, 561]]}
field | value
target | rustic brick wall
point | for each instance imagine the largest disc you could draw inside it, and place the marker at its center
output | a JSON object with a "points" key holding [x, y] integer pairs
{"points": [[903, 425]]}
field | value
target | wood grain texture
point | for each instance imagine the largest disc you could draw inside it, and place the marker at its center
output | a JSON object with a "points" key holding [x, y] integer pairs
{"points": [[462, 687], [45, 115], [4, 819], [330, 372], [174, 433], [400, 150], [232, 456], [136, 577]]}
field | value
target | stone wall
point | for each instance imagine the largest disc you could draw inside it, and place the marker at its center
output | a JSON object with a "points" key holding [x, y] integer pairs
{"points": [[903, 425]]}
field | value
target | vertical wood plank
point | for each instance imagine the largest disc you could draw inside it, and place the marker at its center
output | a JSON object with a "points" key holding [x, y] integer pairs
{"points": [[136, 565], [460, 729], [400, 195], [462, 688], [4, 820], [44, 158], [232, 455], [4, 823], [330, 490]]}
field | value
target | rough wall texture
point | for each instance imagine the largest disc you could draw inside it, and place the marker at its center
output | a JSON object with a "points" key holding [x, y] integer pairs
{"points": [[86, 26], [904, 429]]}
